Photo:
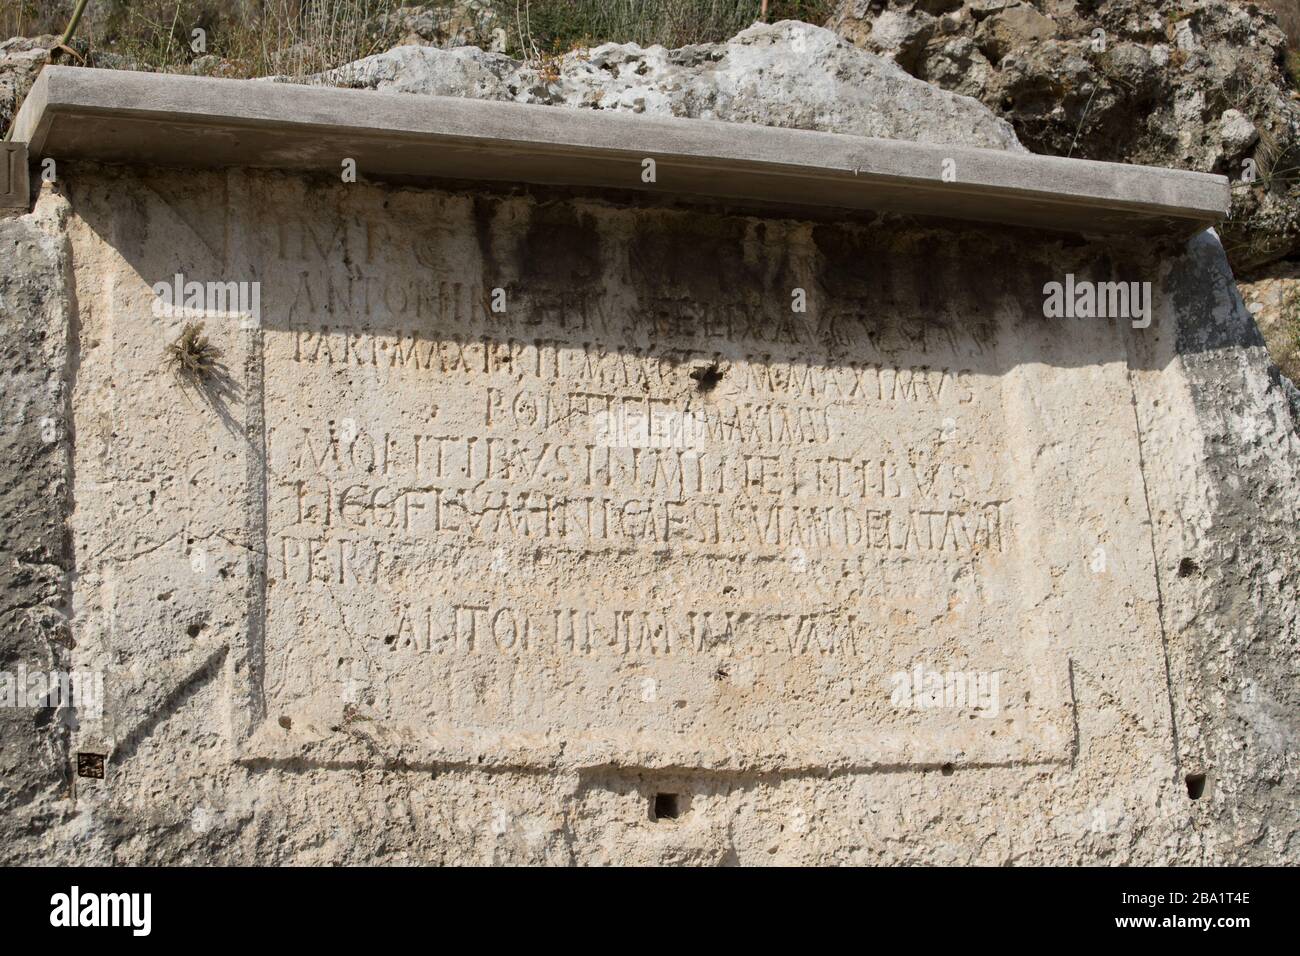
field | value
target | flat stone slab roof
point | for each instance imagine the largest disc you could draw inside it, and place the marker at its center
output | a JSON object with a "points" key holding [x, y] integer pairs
{"points": [[185, 121]]}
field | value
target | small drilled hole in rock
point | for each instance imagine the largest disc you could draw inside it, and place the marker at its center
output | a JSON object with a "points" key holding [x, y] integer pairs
{"points": [[667, 806], [946, 770], [286, 723], [1187, 567], [193, 630], [1195, 785], [706, 377]]}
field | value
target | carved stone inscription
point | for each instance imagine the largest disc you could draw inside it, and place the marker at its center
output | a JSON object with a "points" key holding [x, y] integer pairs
{"points": [[561, 481]]}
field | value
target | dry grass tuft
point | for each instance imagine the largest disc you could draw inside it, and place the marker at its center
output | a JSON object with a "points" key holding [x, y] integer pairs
{"points": [[1283, 338], [192, 356], [1288, 18]]}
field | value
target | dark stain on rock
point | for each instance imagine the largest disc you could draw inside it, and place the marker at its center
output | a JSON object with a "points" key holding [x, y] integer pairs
{"points": [[701, 258], [485, 211], [852, 264], [907, 291], [561, 247]]}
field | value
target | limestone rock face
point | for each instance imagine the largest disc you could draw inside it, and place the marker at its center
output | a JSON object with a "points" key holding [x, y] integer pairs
{"points": [[463, 23], [35, 561], [1237, 132], [1224, 487], [1272, 295], [402, 539], [1011, 28], [1195, 84], [646, 565], [786, 74], [21, 58]]}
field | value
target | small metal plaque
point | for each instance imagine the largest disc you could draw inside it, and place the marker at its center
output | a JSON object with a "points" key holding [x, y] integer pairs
{"points": [[90, 765], [13, 176]]}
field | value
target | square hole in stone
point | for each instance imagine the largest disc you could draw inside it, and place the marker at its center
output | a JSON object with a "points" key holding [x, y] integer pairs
{"points": [[666, 806]]}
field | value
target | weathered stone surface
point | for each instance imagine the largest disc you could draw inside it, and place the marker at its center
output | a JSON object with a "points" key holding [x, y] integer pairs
{"points": [[461, 23], [1273, 297], [786, 74], [902, 34], [21, 58], [1125, 81], [1237, 132], [146, 119], [1224, 492], [1012, 28], [533, 567], [520, 509], [35, 632], [15, 188]]}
